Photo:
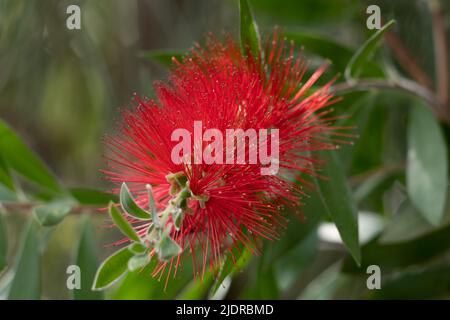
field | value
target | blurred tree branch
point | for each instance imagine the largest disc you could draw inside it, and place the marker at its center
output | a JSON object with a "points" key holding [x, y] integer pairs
{"points": [[27, 207], [402, 84], [407, 60], [440, 52]]}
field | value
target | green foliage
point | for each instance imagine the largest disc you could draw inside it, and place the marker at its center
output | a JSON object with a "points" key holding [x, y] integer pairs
{"points": [[233, 263], [128, 204], [53, 212], [20, 158], [122, 223], [433, 282], [3, 242], [5, 176], [427, 164], [92, 197], [322, 46], [339, 203], [27, 278], [164, 58], [250, 38], [112, 269], [362, 55], [168, 248], [87, 260]]}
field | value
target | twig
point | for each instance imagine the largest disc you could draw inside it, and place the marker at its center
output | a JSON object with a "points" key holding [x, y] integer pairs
{"points": [[384, 170], [407, 60], [401, 84], [440, 52], [27, 207]]}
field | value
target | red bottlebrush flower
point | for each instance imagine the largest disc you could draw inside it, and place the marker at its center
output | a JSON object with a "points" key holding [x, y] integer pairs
{"points": [[225, 204]]}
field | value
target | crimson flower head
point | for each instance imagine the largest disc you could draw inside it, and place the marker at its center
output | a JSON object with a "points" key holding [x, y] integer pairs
{"points": [[213, 156]]}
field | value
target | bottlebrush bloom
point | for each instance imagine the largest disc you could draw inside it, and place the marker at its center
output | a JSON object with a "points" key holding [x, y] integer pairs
{"points": [[208, 209]]}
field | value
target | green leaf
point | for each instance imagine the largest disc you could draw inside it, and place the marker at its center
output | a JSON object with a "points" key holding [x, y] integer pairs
{"points": [[396, 255], [427, 166], [3, 241], [5, 176], [7, 195], [322, 46], [137, 248], [137, 262], [362, 55], [129, 205], [141, 285], [406, 225], [372, 183], [324, 285], [122, 223], [112, 269], [52, 213], [290, 265], [20, 158], [92, 197], [168, 248], [249, 30], [234, 262], [27, 279], [338, 201], [433, 282], [198, 288], [87, 260], [152, 206], [266, 285], [165, 58]]}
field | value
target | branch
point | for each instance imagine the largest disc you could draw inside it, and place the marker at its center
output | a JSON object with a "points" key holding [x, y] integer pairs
{"points": [[407, 60], [440, 51], [27, 207], [401, 84]]}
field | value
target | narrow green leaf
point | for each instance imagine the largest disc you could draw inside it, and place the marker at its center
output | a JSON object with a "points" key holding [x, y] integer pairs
{"points": [[396, 255], [322, 46], [27, 279], [137, 262], [408, 224], [267, 285], [430, 283], [52, 213], [234, 262], [20, 158], [291, 263], [87, 260], [324, 285], [92, 197], [152, 206], [361, 56], [112, 269], [129, 205], [339, 203], [165, 58], [7, 195], [168, 248], [371, 184], [427, 166], [249, 30], [197, 289], [137, 248], [3, 241], [5, 176], [122, 223], [141, 285]]}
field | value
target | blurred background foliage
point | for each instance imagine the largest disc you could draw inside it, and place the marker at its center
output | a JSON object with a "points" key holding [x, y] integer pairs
{"points": [[61, 91]]}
